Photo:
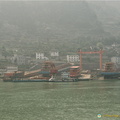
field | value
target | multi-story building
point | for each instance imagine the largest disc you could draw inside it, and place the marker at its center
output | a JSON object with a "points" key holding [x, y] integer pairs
{"points": [[11, 69], [39, 55], [54, 53], [73, 58]]}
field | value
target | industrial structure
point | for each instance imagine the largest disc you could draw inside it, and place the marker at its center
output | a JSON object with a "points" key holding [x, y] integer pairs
{"points": [[91, 52], [49, 70]]}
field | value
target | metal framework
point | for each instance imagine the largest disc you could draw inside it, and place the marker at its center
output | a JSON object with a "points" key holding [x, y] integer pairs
{"points": [[93, 52]]}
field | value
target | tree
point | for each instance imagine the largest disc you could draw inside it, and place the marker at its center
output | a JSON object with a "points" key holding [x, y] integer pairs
{"points": [[4, 52], [100, 45]]}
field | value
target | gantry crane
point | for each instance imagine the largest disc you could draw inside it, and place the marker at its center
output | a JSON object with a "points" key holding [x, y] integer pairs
{"points": [[91, 52]]}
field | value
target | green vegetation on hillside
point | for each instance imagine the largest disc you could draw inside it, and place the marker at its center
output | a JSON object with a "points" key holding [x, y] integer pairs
{"points": [[29, 27]]}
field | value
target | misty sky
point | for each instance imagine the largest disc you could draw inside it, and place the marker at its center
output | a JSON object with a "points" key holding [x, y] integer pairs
{"points": [[59, 0]]}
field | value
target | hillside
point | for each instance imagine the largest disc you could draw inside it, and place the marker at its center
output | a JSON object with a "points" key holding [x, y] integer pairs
{"points": [[108, 13], [64, 26]]}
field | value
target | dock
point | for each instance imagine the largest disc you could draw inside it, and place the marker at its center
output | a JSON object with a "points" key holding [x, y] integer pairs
{"points": [[85, 77]]}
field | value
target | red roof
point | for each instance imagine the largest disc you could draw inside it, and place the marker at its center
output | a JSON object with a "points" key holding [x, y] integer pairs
{"points": [[74, 67]]}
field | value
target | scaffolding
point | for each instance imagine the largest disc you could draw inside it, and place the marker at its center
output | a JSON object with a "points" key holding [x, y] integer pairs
{"points": [[109, 67]]}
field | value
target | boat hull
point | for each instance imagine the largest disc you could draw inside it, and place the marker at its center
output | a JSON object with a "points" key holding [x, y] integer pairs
{"points": [[110, 74], [38, 80]]}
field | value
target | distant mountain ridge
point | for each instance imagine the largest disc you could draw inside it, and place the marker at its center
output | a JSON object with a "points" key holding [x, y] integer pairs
{"points": [[25, 23]]}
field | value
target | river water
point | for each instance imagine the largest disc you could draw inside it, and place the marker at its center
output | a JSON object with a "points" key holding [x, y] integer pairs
{"points": [[82, 100]]}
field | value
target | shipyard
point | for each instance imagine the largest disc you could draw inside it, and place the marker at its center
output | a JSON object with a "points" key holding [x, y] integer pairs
{"points": [[59, 60], [67, 72]]}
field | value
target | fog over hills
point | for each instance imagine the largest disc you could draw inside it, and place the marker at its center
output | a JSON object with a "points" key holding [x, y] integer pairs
{"points": [[56, 22], [109, 15]]}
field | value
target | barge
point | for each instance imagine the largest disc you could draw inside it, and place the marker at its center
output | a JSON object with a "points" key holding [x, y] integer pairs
{"points": [[110, 71], [42, 80]]}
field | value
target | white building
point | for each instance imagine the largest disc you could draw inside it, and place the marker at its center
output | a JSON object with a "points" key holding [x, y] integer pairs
{"points": [[73, 58], [12, 69], [54, 53], [115, 60], [39, 55]]}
